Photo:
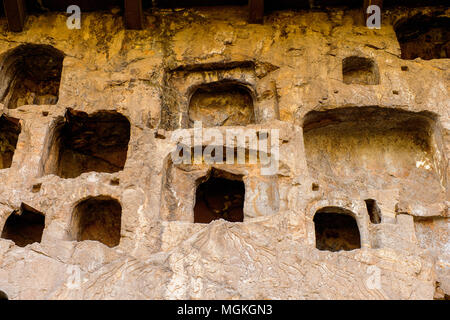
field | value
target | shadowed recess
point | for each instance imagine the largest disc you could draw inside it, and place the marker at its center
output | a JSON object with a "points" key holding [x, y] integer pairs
{"points": [[426, 37], [336, 230], [99, 219], [88, 142], [224, 103], [9, 135], [31, 75], [376, 148], [360, 70], [221, 196], [24, 226]]}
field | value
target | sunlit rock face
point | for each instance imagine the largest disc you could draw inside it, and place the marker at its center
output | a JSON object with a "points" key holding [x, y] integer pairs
{"points": [[93, 206]]}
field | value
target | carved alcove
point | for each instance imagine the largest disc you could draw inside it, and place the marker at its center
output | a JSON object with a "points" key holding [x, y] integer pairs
{"points": [[24, 226], [97, 219], [221, 103], [84, 142], [219, 195], [336, 229], [362, 149], [202, 192], [31, 75], [219, 94], [338, 223], [360, 70]]}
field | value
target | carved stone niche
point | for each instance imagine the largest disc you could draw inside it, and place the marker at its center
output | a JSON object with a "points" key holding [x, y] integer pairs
{"points": [[205, 192], [219, 94], [376, 148], [31, 75]]}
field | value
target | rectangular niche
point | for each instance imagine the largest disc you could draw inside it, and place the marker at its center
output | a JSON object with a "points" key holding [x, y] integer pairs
{"points": [[24, 226], [219, 195], [31, 75], [84, 142], [218, 94], [222, 103], [202, 193], [360, 70], [336, 229], [97, 219], [361, 148]]}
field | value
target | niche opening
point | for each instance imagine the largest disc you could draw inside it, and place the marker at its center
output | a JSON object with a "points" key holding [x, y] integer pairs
{"points": [[84, 143], [220, 196], [31, 74], [336, 229], [377, 147], [425, 37], [9, 135], [24, 226], [99, 219], [223, 103], [360, 70]]}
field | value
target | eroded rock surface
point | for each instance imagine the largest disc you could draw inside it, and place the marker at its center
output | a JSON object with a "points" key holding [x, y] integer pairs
{"points": [[384, 137]]}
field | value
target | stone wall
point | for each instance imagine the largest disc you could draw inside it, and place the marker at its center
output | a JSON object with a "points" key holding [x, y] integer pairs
{"points": [[361, 132]]}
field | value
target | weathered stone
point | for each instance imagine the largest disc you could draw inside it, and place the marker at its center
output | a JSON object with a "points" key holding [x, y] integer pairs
{"points": [[341, 143]]}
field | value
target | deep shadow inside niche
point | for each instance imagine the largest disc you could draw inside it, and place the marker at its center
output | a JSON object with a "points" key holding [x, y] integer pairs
{"points": [[426, 37], [373, 210], [84, 143], [99, 219], [3, 295], [24, 226], [9, 134], [336, 230], [31, 74], [221, 196], [223, 103], [360, 70]]}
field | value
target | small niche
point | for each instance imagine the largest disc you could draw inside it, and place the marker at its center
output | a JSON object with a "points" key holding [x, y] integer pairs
{"points": [[36, 187], [99, 219], [3, 295], [24, 226], [31, 74], [425, 37], [220, 196], [373, 210], [336, 229], [9, 135], [360, 70], [224, 103], [88, 142]]}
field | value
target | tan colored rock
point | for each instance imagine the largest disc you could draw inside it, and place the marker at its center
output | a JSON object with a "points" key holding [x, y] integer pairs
{"points": [[384, 136]]}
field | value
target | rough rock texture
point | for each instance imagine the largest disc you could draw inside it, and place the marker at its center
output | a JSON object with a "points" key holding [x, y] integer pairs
{"points": [[384, 137]]}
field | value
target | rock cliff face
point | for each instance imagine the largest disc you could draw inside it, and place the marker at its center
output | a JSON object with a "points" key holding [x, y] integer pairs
{"points": [[92, 206]]}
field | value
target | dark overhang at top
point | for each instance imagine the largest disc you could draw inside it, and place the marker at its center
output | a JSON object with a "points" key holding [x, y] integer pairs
{"points": [[133, 10]]}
